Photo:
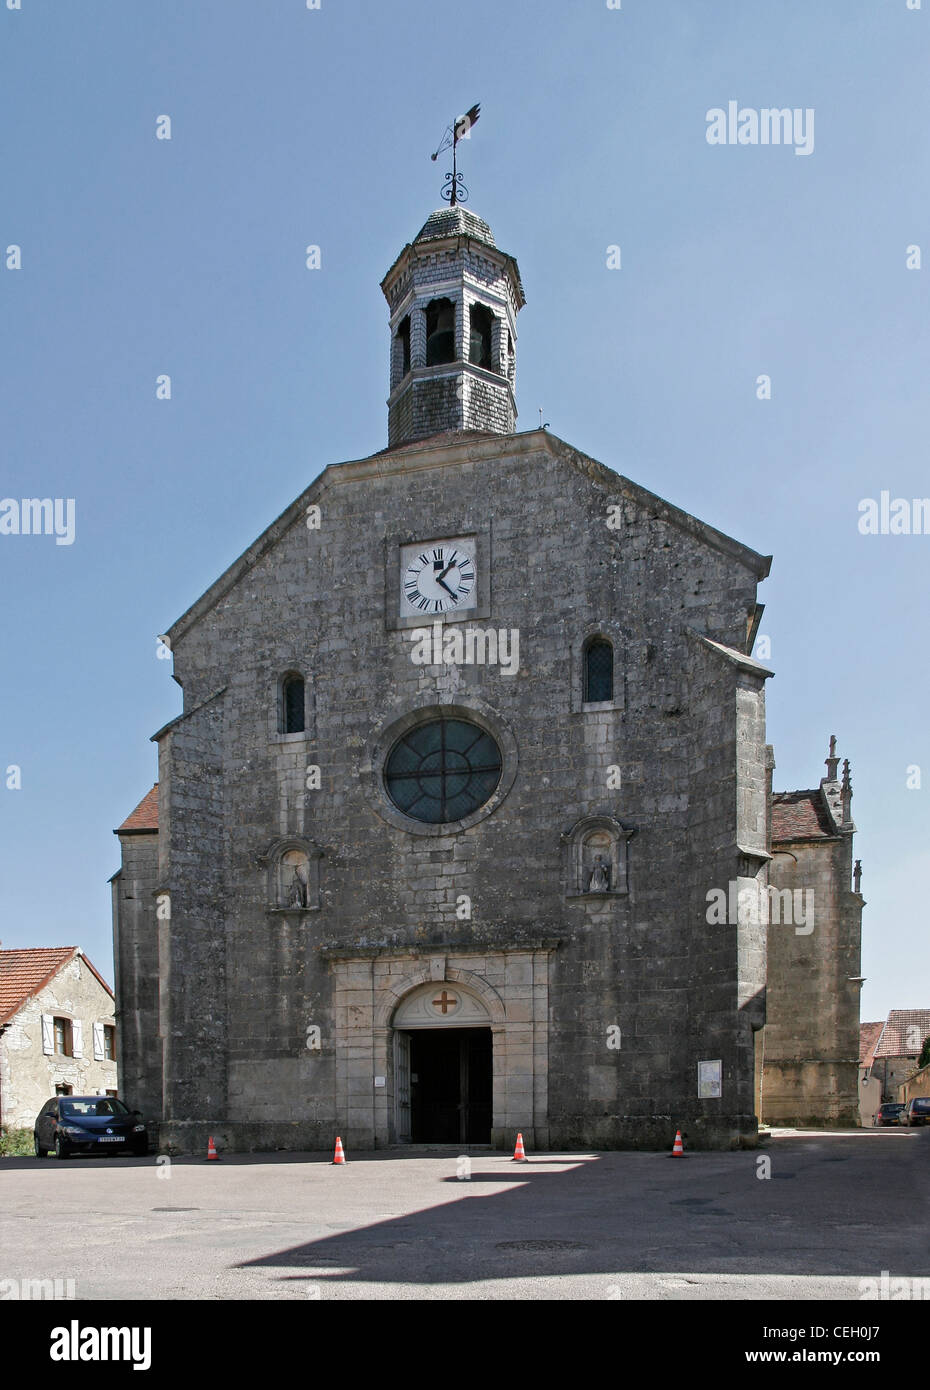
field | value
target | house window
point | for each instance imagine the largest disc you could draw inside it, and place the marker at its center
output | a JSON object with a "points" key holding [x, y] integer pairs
{"points": [[292, 705], [109, 1043], [440, 332], [63, 1044], [62, 1089], [598, 671], [479, 346]]}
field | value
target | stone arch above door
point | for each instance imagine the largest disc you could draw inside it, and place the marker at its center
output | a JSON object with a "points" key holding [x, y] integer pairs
{"points": [[436, 974], [442, 1005]]}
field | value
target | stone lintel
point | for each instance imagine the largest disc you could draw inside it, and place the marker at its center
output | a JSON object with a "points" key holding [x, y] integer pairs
{"points": [[439, 948]]}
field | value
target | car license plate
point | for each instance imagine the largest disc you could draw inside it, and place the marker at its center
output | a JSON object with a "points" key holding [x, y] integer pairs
{"points": [[112, 1138]]}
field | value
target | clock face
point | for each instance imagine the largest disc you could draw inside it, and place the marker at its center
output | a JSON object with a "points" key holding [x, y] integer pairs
{"points": [[438, 578]]}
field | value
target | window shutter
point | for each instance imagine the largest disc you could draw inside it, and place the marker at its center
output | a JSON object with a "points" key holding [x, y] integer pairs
{"points": [[48, 1035], [77, 1038], [98, 1042]]}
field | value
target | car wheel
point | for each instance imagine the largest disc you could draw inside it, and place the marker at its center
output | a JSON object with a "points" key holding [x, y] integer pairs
{"points": [[40, 1152], [60, 1150]]}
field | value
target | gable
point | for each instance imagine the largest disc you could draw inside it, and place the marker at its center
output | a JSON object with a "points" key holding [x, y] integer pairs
{"points": [[451, 451], [25, 972]]}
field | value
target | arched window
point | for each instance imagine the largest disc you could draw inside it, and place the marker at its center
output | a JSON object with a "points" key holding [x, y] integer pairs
{"points": [[479, 345], [440, 332], [403, 335], [292, 705], [598, 671]]}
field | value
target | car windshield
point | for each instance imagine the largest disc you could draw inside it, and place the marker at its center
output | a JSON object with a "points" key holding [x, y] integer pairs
{"points": [[921, 1104], [87, 1109]]}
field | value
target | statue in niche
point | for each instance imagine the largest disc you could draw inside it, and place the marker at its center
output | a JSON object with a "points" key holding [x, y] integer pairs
{"points": [[599, 881], [293, 890]]}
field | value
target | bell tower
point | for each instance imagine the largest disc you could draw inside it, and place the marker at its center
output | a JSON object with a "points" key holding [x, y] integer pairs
{"points": [[453, 300]]}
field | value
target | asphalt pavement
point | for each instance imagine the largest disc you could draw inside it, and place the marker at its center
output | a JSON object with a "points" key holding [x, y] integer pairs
{"points": [[808, 1216]]}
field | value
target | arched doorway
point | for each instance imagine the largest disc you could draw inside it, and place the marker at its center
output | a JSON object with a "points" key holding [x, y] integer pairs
{"points": [[443, 1066]]}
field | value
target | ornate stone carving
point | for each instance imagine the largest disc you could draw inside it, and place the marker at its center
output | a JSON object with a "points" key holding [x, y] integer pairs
{"points": [[596, 858], [293, 868]]}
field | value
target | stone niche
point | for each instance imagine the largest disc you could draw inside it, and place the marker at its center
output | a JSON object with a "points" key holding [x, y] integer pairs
{"points": [[293, 875], [596, 859]]}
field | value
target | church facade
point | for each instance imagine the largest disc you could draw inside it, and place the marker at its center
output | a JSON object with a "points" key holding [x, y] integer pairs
{"points": [[471, 737]]}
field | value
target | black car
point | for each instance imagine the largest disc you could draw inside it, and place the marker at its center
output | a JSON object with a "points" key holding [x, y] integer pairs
{"points": [[89, 1124], [889, 1112], [916, 1112]]}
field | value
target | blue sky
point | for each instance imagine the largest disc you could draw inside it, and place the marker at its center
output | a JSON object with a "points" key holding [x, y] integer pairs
{"points": [[293, 126]]}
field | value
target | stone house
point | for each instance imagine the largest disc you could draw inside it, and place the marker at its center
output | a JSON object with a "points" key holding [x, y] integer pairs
{"points": [[898, 1049], [870, 1087], [917, 1084], [57, 1030], [472, 736]]}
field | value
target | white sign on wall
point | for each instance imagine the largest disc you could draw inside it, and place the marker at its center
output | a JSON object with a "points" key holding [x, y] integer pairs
{"points": [[710, 1080]]}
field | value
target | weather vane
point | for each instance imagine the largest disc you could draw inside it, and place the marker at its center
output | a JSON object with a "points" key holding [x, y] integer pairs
{"points": [[454, 190]]}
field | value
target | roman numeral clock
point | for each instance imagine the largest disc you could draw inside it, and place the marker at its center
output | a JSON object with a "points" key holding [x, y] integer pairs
{"points": [[438, 577]]}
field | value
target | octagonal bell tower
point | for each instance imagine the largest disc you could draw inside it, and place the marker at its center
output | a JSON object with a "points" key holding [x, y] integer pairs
{"points": [[454, 299]]}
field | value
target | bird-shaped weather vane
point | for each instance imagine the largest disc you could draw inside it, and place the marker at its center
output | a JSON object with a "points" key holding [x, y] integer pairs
{"points": [[454, 190]]}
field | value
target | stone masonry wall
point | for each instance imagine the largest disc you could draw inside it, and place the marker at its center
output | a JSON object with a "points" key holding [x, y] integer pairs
{"points": [[246, 982], [135, 956], [812, 1034]]}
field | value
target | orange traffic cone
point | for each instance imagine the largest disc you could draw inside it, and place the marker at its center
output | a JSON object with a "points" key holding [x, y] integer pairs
{"points": [[211, 1150], [339, 1156], [678, 1149], [519, 1155]]}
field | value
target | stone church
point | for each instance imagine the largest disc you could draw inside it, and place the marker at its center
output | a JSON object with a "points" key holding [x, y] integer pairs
{"points": [[472, 744]]}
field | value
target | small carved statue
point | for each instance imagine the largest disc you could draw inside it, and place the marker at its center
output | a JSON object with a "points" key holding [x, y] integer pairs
{"points": [[298, 890], [599, 882]]}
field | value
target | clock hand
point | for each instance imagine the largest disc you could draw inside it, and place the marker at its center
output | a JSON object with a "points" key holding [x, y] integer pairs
{"points": [[449, 591], [449, 566]]}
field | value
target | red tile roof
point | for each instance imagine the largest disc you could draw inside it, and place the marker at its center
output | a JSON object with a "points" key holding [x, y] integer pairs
{"points": [[869, 1034], [144, 819], [894, 1040], [23, 972], [800, 816]]}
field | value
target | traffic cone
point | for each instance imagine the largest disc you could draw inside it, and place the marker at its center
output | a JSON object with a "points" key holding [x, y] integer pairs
{"points": [[212, 1154], [339, 1156], [678, 1148], [519, 1155]]}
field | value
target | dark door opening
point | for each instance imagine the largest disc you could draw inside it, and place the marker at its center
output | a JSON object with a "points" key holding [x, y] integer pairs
{"points": [[450, 1086]]}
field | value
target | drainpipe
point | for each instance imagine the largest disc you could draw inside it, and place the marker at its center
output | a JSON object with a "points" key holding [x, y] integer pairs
{"points": [[3, 1030]]}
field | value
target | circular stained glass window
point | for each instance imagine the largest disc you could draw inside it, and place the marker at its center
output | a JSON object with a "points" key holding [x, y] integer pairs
{"points": [[442, 771]]}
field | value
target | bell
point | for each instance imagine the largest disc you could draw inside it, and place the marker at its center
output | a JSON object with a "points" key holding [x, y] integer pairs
{"points": [[440, 347], [479, 350], [440, 341]]}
